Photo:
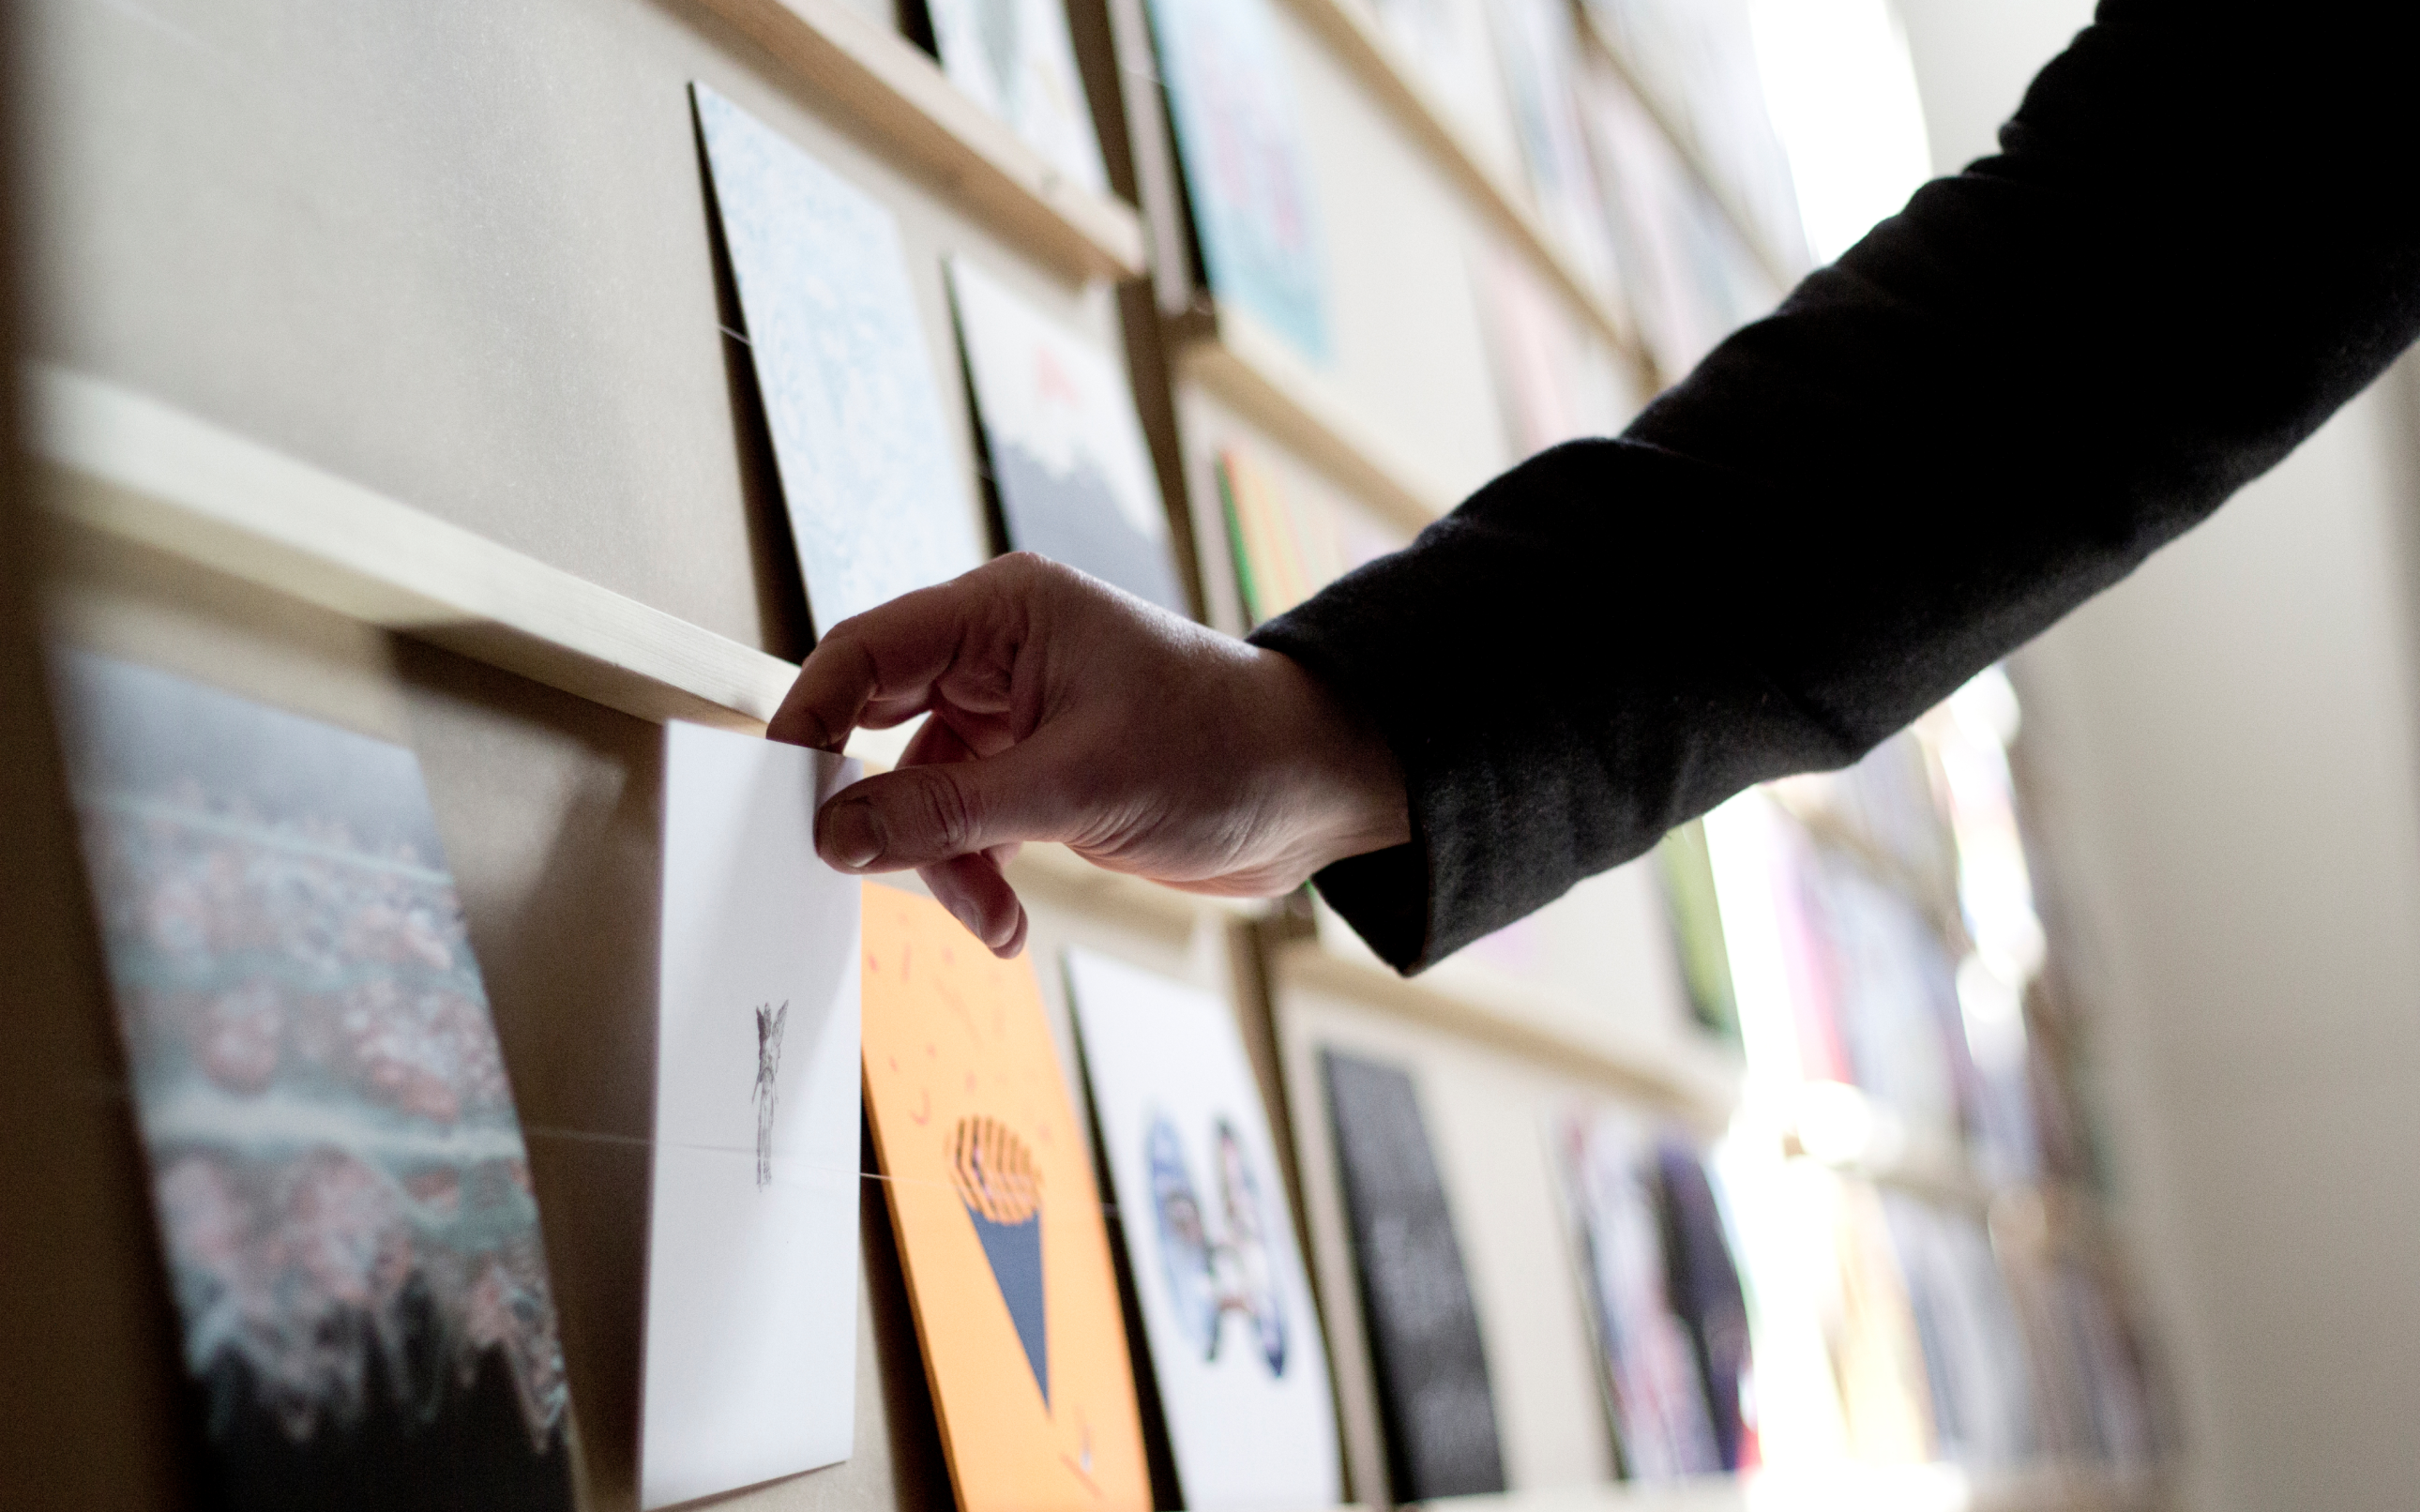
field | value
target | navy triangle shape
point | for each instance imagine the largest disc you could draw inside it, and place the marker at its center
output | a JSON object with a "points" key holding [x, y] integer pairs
{"points": [[1015, 1251]]}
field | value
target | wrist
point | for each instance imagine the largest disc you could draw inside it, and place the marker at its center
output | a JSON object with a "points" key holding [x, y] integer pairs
{"points": [[1353, 797]]}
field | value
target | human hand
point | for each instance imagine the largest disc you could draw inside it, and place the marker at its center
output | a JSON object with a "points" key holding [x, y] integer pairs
{"points": [[1065, 710]]}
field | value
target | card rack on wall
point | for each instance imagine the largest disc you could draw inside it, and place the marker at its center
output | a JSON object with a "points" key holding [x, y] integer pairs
{"points": [[896, 93], [117, 462]]}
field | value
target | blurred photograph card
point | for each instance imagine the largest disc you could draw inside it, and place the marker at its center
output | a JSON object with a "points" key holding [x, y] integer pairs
{"points": [[343, 1194], [1447, 46], [1065, 446], [750, 1370], [1227, 1311], [1254, 212], [1000, 1226], [1558, 383], [1648, 1366], [1705, 1291], [877, 504], [1015, 59], [1434, 1393], [1537, 42], [1286, 547]]}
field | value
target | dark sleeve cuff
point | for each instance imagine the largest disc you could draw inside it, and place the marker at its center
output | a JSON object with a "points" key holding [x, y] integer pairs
{"points": [[1384, 897]]}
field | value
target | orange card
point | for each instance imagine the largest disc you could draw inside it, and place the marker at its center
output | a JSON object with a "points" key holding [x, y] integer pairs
{"points": [[999, 1222]]}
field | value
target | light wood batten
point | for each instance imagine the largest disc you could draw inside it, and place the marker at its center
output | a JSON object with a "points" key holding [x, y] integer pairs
{"points": [[126, 465], [1354, 35], [1700, 1089], [888, 88], [1257, 373]]}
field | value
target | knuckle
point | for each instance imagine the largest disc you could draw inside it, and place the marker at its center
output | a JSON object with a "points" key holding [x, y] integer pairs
{"points": [[946, 813]]}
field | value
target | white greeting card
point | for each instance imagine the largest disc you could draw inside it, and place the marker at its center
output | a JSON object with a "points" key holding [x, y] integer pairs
{"points": [[751, 1364], [1236, 1345]]}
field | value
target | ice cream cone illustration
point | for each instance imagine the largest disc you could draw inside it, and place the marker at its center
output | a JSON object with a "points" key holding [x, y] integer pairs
{"points": [[997, 1181]]}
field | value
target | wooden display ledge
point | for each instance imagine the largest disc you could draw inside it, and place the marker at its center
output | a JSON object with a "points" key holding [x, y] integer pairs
{"points": [[1923, 1161], [1257, 373], [1702, 1090], [1683, 142], [1868, 1488], [1355, 35], [128, 466], [890, 89]]}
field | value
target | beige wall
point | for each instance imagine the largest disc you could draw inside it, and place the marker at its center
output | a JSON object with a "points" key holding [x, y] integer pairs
{"points": [[2225, 752], [2225, 744]]}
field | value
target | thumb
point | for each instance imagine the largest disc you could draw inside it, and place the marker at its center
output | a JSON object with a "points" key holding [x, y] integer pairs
{"points": [[920, 815]]}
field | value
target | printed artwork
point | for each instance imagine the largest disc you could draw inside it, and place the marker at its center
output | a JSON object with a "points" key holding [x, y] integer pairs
{"points": [[1067, 449], [1000, 1226], [1284, 553], [1557, 384], [1253, 209], [1690, 283], [1705, 1289], [336, 1166], [1015, 58], [876, 506], [1966, 1324], [1537, 43], [1433, 1395], [1226, 1303], [1685, 868], [1655, 1390], [751, 1364], [1447, 45]]}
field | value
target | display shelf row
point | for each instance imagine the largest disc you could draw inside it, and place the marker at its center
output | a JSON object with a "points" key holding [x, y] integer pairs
{"points": [[1358, 38], [131, 467], [893, 90]]}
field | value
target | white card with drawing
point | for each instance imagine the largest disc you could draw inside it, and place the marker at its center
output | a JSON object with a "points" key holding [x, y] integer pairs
{"points": [[1236, 1345], [751, 1364]]}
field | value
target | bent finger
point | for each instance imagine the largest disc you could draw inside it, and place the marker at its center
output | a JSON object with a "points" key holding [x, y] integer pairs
{"points": [[917, 816], [884, 662], [978, 896]]}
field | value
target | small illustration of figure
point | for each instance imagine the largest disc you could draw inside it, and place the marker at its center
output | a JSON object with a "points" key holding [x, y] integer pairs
{"points": [[1210, 1276], [771, 1022], [1254, 1281]]}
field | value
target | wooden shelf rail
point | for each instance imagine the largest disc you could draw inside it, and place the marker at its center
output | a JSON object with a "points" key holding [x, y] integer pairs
{"points": [[1356, 38], [887, 85], [1698, 1090], [128, 466], [2049, 1487], [1255, 371]]}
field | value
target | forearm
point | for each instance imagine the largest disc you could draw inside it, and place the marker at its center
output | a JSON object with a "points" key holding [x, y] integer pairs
{"points": [[2195, 248]]}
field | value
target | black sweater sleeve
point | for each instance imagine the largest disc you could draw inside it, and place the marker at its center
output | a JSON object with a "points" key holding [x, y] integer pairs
{"points": [[2200, 238]]}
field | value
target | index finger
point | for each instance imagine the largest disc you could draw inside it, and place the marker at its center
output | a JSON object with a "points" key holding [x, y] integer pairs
{"points": [[891, 654]]}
